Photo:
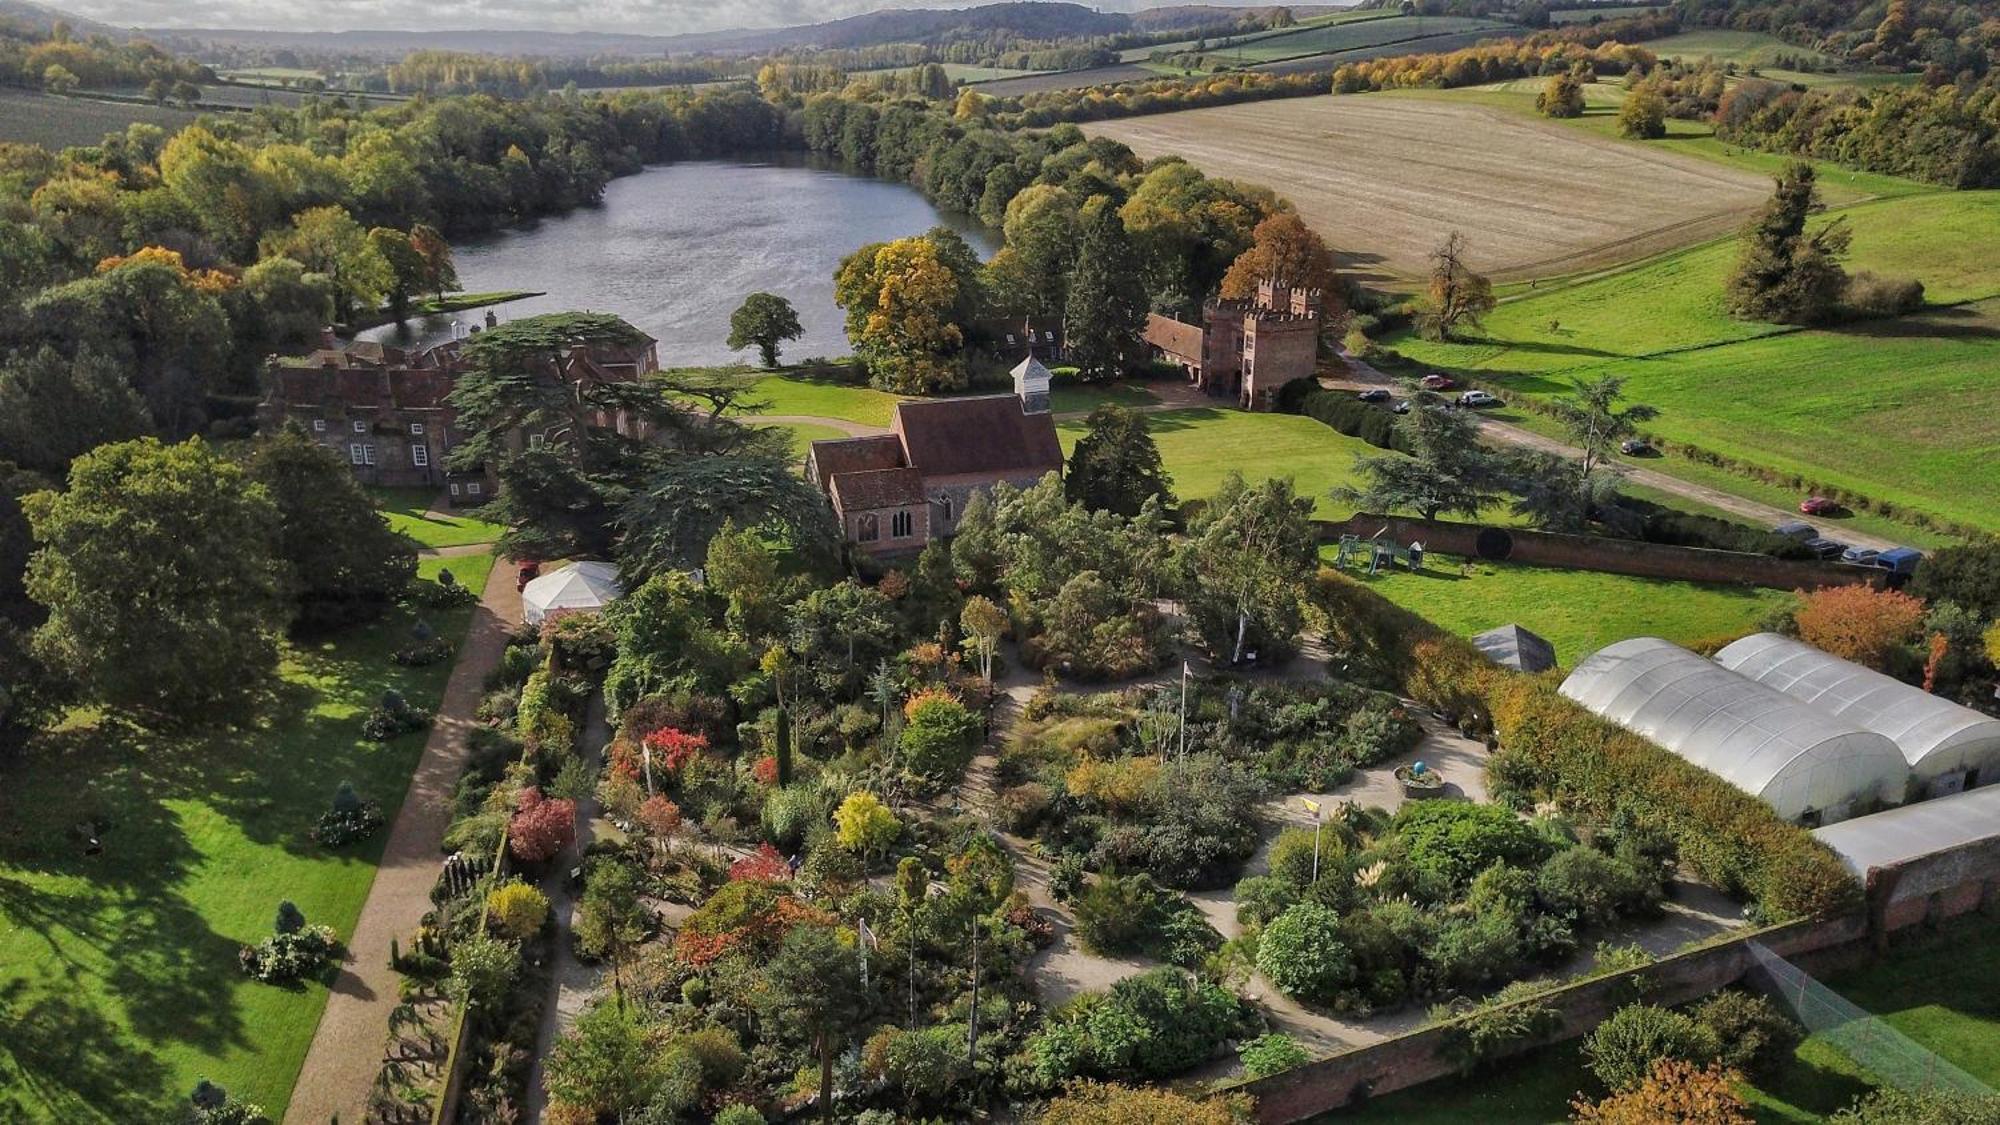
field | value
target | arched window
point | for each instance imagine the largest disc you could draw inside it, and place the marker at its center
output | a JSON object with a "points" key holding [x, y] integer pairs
{"points": [[901, 525], [867, 529], [946, 501]]}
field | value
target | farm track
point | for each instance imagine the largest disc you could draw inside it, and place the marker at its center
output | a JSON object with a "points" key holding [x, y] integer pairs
{"points": [[1526, 194]]}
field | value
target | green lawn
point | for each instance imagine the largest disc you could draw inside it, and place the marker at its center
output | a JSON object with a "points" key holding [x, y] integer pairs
{"points": [[118, 974], [1202, 446], [791, 394], [1937, 989], [805, 433], [408, 511], [1579, 611], [1745, 48], [1893, 409]]}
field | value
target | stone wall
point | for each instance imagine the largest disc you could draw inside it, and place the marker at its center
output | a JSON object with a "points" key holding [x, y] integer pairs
{"points": [[1611, 556], [1423, 1055]]}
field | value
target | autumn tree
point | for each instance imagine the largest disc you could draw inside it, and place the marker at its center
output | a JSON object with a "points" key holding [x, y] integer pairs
{"points": [[180, 533], [1788, 274], [900, 297], [1106, 310], [541, 827], [1091, 1103], [983, 623], [1643, 116], [328, 241], [1285, 249], [1188, 228], [1859, 623], [1457, 297], [1039, 251], [764, 321], [440, 275], [1561, 96], [1677, 1091], [404, 268]]}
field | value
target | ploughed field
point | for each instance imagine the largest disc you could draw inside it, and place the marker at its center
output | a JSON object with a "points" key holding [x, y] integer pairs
{"points": [[1383, 178]]}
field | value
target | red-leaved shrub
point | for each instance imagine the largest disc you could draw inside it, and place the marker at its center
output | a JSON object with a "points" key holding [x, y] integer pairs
{"points": [[541, 828]]}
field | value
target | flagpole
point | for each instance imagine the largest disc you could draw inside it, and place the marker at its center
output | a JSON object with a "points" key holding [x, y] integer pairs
{"points": [[1184, 691]]}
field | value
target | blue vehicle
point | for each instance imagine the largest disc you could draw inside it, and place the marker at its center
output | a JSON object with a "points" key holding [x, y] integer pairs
{"points": [[1900, 562]]}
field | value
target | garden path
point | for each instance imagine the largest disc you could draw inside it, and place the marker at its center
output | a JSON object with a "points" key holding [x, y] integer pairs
{"points": [[346, 1051], [572, 983]]}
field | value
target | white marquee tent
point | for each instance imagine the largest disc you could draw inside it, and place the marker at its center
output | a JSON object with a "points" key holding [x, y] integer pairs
{"points": [[579, 587], [1757, 738], [1949, 747]]}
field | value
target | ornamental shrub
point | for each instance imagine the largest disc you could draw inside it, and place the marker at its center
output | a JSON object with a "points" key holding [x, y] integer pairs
{"points": [[541, 828], [938, 738], [483, 971], [739, 1114], [1152, 1025], [1449, 842], [290, 918], [1753, 1033], [1590, 887], [1675, 1091], [1623, 1049], [350, 819], [1269, 1054], [517, 910], [792, 812], [289, 956], [864, 824], [1302, 954]]}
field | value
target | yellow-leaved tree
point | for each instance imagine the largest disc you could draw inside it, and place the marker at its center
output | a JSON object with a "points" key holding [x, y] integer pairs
{"points": [[900, 297]]}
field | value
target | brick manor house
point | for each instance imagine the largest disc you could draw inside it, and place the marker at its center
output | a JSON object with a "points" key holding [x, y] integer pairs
{"points": [[383, 408], [1245, 347], [895, 492]]}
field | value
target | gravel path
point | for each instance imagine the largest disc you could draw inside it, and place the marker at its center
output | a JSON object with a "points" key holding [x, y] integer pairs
{"points": [[346, 1051]]}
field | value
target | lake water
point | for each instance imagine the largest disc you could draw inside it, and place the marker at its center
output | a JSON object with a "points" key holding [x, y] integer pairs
{"points": [[675, 249]]}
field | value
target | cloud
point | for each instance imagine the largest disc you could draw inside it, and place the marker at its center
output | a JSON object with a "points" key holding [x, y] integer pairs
{"points": [[658, 17]]}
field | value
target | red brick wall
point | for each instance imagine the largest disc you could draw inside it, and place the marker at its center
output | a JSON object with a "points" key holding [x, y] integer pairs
{"points": [[1612, 556]]}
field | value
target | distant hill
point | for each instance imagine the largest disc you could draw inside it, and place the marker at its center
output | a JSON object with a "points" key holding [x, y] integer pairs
{"points": [[1037, 19], [40, 18]]}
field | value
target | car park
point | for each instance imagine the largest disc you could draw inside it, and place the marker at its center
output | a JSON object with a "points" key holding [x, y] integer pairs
{"points": [[1374, 394], [1439, 382], [1476, 399]]}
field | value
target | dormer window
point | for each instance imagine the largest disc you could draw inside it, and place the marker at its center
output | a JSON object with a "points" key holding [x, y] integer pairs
{"points": [[360, 427], [417, 428], [319, 425]]}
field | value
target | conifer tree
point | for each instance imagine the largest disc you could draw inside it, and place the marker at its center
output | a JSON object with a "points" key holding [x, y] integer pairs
{"points": [[1788, 275], [1107, 301]]}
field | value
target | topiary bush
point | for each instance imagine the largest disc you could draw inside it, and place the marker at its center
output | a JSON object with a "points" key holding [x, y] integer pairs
{"points": [[292, 953], [517, 910], [393, 717], [1754, 1035], [1622, 1049], [350, 819]]}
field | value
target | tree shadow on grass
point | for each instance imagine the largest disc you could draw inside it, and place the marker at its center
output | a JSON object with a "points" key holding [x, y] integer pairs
{"points": [[64, 1062]]}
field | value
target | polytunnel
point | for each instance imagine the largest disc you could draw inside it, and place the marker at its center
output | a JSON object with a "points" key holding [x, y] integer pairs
{"points": [[1806, 765], [1948, 747]]}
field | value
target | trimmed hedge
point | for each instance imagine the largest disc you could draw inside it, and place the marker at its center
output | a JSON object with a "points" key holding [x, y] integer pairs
{"points": [[1342, 411], [1551, 747]]}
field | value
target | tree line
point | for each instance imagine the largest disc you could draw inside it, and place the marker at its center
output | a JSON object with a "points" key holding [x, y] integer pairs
{"points": [[58, 61]]}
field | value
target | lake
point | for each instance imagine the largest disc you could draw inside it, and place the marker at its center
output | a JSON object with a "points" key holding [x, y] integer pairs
{"points": [[676, 248]]}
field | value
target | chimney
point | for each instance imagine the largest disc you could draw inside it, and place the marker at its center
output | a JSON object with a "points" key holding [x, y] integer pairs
{"points": [[1031, 384]]}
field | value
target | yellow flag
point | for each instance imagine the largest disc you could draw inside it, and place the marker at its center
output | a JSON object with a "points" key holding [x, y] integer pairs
{"points": [[1311, 806]]}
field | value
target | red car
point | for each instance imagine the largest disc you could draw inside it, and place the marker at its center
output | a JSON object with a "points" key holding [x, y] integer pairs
{"points": [[1819, 506], [1438, 383]]}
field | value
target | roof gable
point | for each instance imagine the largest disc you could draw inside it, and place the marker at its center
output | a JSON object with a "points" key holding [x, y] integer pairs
{"points": [[986, 434]]}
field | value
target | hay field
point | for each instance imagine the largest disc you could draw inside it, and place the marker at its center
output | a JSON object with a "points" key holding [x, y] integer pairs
{"points": [[1383, 178]]}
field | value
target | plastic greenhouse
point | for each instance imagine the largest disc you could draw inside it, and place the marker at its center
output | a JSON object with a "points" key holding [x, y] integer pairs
{"points": [[1806, 765], [1948, 747]]}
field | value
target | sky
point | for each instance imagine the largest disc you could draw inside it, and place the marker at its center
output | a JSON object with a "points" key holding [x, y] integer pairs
{"points": [[659, 17]]}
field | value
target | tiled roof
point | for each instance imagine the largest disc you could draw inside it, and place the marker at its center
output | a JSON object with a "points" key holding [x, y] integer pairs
{"points": [[856, 454], [1172, 336], [878, 488], [984, 434]]}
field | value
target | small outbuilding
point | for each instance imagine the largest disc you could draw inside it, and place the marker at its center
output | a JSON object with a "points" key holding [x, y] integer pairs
{"points": [[1948, 747], [1807, 765], [581, 587], [1511, 646]]}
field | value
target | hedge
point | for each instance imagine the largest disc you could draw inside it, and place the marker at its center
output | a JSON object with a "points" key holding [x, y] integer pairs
{"points": [[1555, 748], [1342, 411]]}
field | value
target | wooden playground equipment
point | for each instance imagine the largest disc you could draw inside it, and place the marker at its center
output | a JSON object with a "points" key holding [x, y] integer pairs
{"points": [[1376, 554]]}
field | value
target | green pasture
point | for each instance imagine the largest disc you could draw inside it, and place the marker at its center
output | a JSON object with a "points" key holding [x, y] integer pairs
{"points": [[1350, 36], [118, 972], [34, 118], [1578, 611], [1744, 48], [1936, 989]]}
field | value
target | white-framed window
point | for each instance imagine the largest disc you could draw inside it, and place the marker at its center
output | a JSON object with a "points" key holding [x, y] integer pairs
{"points": [[947, 509], [319, 425], [867, 528], [416, 427], [420, 456], [474, 488], [900, 525], [536, 441], [1010, 337], [354, 454], [368, 454], [454, 488], [360, 427]]}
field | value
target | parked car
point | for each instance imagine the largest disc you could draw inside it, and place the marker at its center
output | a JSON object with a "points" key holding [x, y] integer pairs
{"points": [[1826, 548], [1374, 394], [1860, 556], [1818, 506], [1476, 399], [1635, 447], [1439, 382], [1900, 562], [1402, 406], [1796, 529]]}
